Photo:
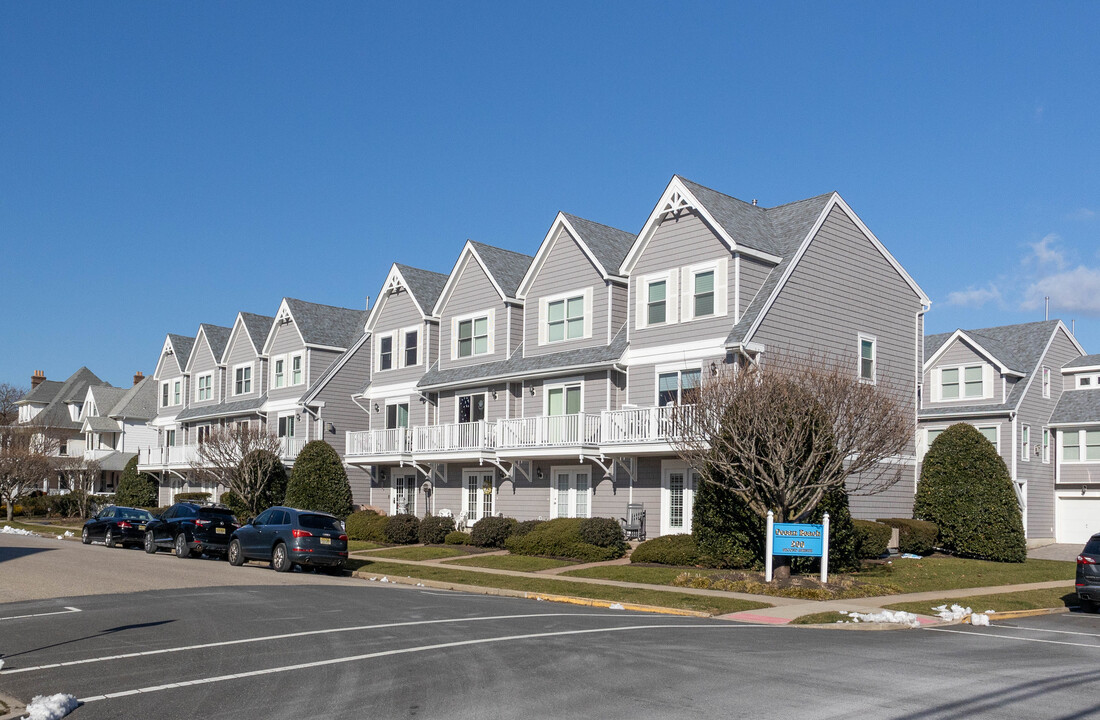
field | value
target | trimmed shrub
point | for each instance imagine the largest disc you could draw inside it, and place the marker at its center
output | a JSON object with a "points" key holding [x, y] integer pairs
{"points": [[319, 481], [136, 489], [239, 507], [965, 489], [403, 529], [668, 550], [492, 531], [843, 538], [874, 538], [433, 530], [561, 538], [457, 537], [366, 525], [526, 526], [914, 536], [195, 497], [725, 529], [602, 532]]}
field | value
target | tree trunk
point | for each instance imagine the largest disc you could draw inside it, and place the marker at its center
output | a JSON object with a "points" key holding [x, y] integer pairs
{"points": [[11, 509], [781, 567]]}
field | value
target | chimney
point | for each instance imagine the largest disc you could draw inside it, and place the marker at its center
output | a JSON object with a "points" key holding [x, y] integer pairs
{"points": [[366, 305], [754, 202], [138, 377], [37, 378]]}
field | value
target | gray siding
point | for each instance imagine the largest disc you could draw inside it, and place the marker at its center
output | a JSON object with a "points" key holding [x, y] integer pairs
{"points": [[1078, 474], [619, 310], [204, 363], [593, 393], [472, 293], [643, 379], [398, 312], [339, 408], [241, 352], [961, 353], [896, 501], [753, 274], [286, 341]]}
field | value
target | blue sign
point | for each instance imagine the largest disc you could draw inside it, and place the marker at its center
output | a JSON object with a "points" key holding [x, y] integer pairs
{"points": [[797, 539]]}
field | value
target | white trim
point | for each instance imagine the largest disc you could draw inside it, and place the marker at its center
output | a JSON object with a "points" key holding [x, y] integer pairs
{"points": [[961, 335], [720, 268], [479, 474], [679, 369], [392, 285], [394, 351], [860, 339], [336, 367], [698, 349], [546, 247], [484, 392], [282, 318], [194, 349], [585, 294], [238, 323], [251, 379], [490, 315], [1047, 379], [210, 388], [403, 336], [672, 296], [572, 471], [379, 391], [987, 383], [1082, 447], [563, 384], [667, 468], [1025, 443]]}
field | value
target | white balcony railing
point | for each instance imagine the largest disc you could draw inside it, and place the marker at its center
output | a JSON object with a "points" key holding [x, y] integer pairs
{"points": [[97, 454], [379, 442], [455, 437], [290, 447], [637, 425], [550, 431], [175, 455]]}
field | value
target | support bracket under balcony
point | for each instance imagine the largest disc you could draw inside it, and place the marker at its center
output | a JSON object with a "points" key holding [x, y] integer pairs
{"points": [[605, 463]]}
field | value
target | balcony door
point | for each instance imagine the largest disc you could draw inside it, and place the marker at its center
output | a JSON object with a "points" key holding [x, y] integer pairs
{"points": [[397, 416], [471, 408], [678, 483], [570, 492], [478, 494], [562, 400], [403, 494]]}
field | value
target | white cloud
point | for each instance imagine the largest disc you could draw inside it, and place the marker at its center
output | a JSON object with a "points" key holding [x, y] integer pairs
{"points": [[975, 297], [1083, 214], [1075, 290], [1044, 252]]}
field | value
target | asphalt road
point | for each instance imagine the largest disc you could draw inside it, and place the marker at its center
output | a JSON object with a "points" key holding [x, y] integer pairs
{"points": [[319, 647]]}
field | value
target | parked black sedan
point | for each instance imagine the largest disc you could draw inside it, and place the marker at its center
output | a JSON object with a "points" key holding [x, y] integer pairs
{"points": [[289, 537], [1088, 575], [191, 529], [117, 525]]}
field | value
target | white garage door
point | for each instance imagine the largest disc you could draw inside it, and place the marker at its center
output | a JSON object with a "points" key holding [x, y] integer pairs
{"points": [[1078, 518]]}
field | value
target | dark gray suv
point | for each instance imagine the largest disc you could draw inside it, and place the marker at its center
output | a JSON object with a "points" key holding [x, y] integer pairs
{"points": [[1088, 575], [288, 537]]}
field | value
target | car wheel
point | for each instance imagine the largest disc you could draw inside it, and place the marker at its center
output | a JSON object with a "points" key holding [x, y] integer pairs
{"points": [[280, 559], [150, 544], [234, 555], [109, 538], [85, 537], [182, 550]]}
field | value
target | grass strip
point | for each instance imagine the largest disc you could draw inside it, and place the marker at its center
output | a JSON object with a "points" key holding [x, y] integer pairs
{"points": [[1001, 602], [952, 573], [820, 618], [650, 574], [418, 553], [51, 530], [522, 563], [660, 598], [360, 545]]}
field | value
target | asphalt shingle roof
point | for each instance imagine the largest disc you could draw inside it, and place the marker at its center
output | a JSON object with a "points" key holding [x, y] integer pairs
{"points": [[240, 407], [44, 393], [56, 414], [217, 337], [609, 245], [1084, 361], [137, 403], [1077, 406], [506, 266], [183, 346], [327, 324], [425, 285], [106, 397], [258, 327], [102, 424]]}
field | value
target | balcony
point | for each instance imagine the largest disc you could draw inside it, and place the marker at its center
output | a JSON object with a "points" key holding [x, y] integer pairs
{"points": [[638, 429], [176, 456], [289, 447], [457, 440], [98, 455], [534, 435], [379, 445]]}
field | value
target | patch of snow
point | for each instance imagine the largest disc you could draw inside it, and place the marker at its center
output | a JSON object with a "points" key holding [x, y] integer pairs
{"points": [[616, 606], [899, 617], [911, 556], [385, 580], [979, 619], [1, 663], [9, 530], [951, 614], [842, 612], [51, 707]]}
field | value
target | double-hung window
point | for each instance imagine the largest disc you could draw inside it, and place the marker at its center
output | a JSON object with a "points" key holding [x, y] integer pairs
{"points": [[1071, 445], [164, 394], [656, 302], [385, 352], [206, 387], [677, 387], [397, 416], [1046, 445], [202, 434], [867, 358], [412, 347], [471, 408], [169, 438], [473, 337], [703, 294], [963, 382], [1092, 445], [279, 372], [177, 392], [242, 380], [1046, 382], [296, 375], [1025, 443], [565, 319]]}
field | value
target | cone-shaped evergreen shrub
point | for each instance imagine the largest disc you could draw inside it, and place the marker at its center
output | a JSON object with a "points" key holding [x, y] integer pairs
{"points": [[726, 529], [319, 481], [965, 489], [136, 489]]}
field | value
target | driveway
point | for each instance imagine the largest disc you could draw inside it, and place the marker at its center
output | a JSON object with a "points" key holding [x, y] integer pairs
{"points": [[1056, 552]]}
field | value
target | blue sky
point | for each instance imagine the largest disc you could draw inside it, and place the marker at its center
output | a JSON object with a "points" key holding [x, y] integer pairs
{"points": [[166, 164]]}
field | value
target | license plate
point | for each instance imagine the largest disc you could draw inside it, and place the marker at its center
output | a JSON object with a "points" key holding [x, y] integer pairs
{"points": [[220, 531], [141, 527], [326, 541]]}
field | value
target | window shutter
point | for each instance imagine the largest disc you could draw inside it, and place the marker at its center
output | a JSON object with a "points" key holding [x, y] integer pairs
{"points": [[987, 381], [673, 294], [454, 338], [687, 294], [640, 291], [721, 284], [542, 321], [589, 311], [937, 385], [492, 331]]}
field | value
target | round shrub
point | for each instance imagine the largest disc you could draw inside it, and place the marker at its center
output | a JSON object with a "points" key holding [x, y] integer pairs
{"points": [[602, 532], [195, 497], [319, 481], [668, 550], [457, 537], [874, 538], [726, 529], [366, 525], [136, 489], [843, 539], [492, 531], [525, 526], [561, 538], [403, 529], [965, 489], [914, 536], [433, 530]]}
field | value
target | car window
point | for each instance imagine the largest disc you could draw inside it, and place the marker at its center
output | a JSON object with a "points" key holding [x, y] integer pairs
{"points": [[185, 511], [280, 517], [133, 514], [264, 518], [1092, 547], [106, 513], [318, 522], [224, 513]]}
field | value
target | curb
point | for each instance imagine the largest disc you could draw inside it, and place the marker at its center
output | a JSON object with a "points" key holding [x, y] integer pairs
{"points": [[526, 595], [1013, 614], [10, 707]]}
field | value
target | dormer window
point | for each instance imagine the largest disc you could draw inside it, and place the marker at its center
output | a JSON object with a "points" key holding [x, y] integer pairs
{"points": [[385, 352], [205, 389], [966, 382], [1084, 381], [164, 390], [242, 380], [297, 374], [279, 372]]}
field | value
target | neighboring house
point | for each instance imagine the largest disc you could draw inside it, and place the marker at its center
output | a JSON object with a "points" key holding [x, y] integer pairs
{"points": [[115, 424], [545, 393], [1007, 382], [1076, 425]]}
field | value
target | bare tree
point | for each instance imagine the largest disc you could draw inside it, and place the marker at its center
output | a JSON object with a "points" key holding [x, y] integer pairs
{"points": [[219, 461], [24, 463], [81, 476], [9, 395], [782, 434]]}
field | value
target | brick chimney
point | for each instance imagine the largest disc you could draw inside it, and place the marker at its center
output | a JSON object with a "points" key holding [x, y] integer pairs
{"points": [[37, 378], [138, 377]]}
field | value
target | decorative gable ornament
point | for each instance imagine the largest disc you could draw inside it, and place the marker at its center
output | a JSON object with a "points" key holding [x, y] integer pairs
{"points": [[676, 204]]}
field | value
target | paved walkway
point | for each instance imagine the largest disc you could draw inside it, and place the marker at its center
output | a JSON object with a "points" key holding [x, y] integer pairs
{"points": [[782, 609], [1056, 551]]}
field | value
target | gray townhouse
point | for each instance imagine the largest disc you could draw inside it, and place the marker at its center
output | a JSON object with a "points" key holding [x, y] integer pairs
{"points": [[1016, 384], [541, 384], [1076, 425]]}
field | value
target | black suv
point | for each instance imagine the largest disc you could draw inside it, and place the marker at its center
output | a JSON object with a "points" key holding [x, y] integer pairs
{"points": [[191, 530], [1088, 575]]}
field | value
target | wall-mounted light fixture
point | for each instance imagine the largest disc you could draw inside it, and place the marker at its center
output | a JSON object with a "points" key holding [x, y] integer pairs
{"points": [[494, 394], [382, 475], [713, 368], [376, 407], [331, 428], [538, 473], [532, 391]]}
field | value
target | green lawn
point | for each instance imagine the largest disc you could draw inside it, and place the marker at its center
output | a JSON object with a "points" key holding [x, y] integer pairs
{"points": [[418, 553], [683, 601], [651, 574], [951, 573], [1002, 602], [522, 563], [360, 545]]}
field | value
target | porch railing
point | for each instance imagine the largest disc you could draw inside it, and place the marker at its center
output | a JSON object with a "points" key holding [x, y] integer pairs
{"points": [[550, 431], [379, 442], [455, 437]]}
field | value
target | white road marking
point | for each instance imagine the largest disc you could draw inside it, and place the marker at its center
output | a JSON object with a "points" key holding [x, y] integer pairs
{"points": [[1094, 646], [284, 636], [1060, 632], [402, 651], [66, 611]]}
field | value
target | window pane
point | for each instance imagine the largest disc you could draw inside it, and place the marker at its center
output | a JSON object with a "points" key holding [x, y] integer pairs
{"points": [[704, 282], [472, 487], [481, 345], [657, 291], [689, 379], [656, 313], [555, 401], [465, 329], [1071, 445], [555, 331], [402, 416], [576, 328], [866, 349], [465, 348], [973, 374], [932, 435], [481, 326], [951, 376], [464, 403], [1092, 444], [563, 495], [667, 390], [950, 388], [989, 433], [704, 294], [582, 495], [676, 501], [704, 305], [572, 400], [555, 311], [478, 408], [576, 307]]}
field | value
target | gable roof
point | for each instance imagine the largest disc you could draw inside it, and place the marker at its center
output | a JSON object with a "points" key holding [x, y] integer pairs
{"points": [[323, 325], [105, 397], [217, 337], [505, 269], [1083, 362], [257, 327], [1077, 407], [604, 246], [137, 403], [56, 414], [181, 350], [319, 384], [43, 393], [423, 286]]}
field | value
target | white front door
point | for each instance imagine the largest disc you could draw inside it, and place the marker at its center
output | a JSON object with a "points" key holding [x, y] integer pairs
{"points": [[478, 494], [403, 495], [678, 483], [570, 492]]}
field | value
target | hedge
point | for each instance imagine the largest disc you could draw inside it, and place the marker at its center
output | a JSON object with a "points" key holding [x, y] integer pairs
{"points": [[433, 530], [966, 490], [874, 538], [562, 538], [603, 532], [366, 525], [195, 497], [457, 537], [914, 536], [136, 489], [492, 531], [668, 550], [403, 529]]}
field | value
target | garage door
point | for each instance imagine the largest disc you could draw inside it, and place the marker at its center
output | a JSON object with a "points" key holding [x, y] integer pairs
{"points": [[1078, 518]]}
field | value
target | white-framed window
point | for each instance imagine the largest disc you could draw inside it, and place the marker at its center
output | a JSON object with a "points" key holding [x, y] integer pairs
{"points": [[964, 382], [177, 392], [397, 415], [242, 379], [169, 438], [704, 290], [656, 307], [411, 349], [676, 387], [1046, 445], [1046, 382], [564, 398], [472, 335], [286, 426], [566, 316], [991, 433], [385, 352], [478, 493], [678, 483], [1080, 446], [205, 387], [570, 492], [868, 358], [297, 369], [202, 434], [165, 389], [1025, 443], [1084, 381], [278, 372], [470, 407]]}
